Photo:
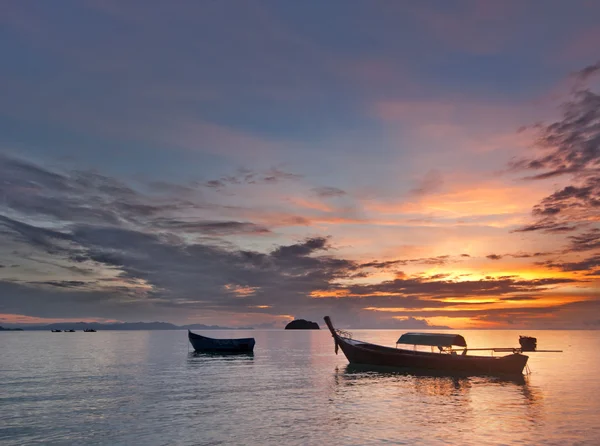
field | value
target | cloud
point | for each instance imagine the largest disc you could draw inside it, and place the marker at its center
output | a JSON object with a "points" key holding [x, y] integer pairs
{"points": [[439, 260], [435, 289], [583, 75], [328, 192], [547, 225], [570, 147], [585, 241], [589, 264], [519, 255], [217, 228], [159, 254], [247, 176]]}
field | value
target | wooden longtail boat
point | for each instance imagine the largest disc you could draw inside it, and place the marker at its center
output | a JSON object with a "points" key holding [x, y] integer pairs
{"points": [[446, 361], [205, 344]]}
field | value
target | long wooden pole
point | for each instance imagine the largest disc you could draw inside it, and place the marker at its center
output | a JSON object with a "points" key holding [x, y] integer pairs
{"points": [[509, 349]]}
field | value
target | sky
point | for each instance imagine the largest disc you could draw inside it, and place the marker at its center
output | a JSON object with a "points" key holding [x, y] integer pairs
{"points": [[415, 165]]}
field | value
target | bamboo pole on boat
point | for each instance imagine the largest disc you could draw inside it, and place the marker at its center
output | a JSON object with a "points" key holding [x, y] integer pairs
{"points": [[509, 349]]}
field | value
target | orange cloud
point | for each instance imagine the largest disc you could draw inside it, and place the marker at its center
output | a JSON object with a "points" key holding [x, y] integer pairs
{"points": [[240, 290]]}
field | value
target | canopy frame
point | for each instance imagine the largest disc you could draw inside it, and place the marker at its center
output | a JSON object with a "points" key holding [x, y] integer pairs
{"points": [[432, 339]]}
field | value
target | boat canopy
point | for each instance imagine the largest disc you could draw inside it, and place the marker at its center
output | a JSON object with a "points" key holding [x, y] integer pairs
{"points": [[433, 339]]}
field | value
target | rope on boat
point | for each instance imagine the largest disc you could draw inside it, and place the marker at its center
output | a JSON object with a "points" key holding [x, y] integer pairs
{"points": [[343, 333]]}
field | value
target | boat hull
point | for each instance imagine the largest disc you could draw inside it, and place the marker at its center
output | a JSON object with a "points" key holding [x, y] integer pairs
{"points": [[363, 353], [206, 344], [370, 354]]}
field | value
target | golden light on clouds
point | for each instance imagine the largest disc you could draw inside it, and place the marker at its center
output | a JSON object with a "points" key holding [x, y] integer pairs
{"points": [[240, 290]]}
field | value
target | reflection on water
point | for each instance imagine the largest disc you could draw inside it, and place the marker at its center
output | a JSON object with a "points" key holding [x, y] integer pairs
{"points": [[212, 359], [147, 388], [430, 382], [418, 398], [423, 382]]}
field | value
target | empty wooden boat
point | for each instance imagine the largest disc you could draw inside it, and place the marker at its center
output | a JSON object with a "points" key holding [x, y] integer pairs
{"points": [[205, 344], [447, 360]]}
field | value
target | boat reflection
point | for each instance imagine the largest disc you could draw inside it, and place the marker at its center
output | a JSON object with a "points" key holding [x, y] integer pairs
{"points": [[397, 401], [427, 382], [201, 359], [375, 371]]}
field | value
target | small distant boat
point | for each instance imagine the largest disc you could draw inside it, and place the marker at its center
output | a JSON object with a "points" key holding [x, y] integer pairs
{"points": [[446, 361], [205, 344], [56, 331], [70, 331], [89, 330]]}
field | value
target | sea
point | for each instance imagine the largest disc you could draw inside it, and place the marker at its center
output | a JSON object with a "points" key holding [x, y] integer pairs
{"points": [[149, 388]]}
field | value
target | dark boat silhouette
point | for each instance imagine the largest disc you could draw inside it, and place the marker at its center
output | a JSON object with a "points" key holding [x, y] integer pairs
{"points": [[206, 344], [56, 331], [89, 330], [446, 361]]}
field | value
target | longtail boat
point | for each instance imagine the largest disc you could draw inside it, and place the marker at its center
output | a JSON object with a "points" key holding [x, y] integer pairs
{"points": [[447, 360], [206, 344]]}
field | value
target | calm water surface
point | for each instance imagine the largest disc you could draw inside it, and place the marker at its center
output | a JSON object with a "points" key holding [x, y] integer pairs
{"points": [[146, 388]]}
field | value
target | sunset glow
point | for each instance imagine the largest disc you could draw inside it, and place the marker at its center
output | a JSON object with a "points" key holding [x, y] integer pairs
{"points": [[273, 167]]}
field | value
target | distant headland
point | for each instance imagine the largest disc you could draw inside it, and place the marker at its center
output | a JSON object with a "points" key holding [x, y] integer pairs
{"points": [[10, 329], [80, 326], [301, 324]]}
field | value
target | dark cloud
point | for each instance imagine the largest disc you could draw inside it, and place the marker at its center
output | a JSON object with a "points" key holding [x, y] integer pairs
{"points": [[171, 188], [439, 260], [571, 200], [63, 283], [570, 147], [246, 176], [79, 196], [416, 288], [584, 74], [585, 241], [519, 255], [215, 184], [546, 225], [328, 192], [302, 249], [47, 240], [588, 264], [218, 228], [525, 255]]}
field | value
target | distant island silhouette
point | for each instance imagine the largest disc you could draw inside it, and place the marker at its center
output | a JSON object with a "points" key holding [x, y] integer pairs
{"points": [[301, 324], [10, 329], [80, 326]]}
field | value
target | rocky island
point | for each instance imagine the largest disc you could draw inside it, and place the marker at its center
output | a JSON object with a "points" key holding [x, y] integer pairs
{"points": [[301, 324]]}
